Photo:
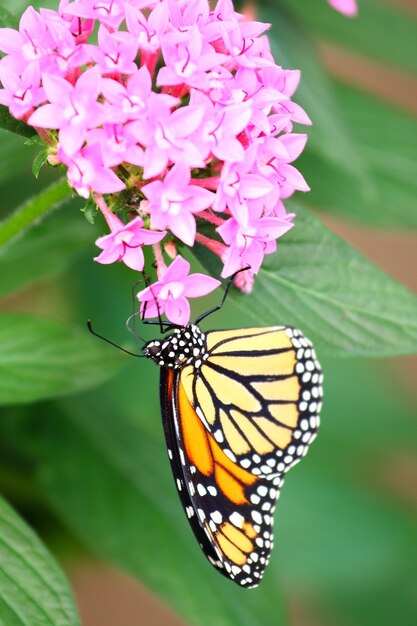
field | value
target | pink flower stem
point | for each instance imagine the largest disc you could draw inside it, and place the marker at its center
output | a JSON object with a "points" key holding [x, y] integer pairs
{"points": [[215, 246], [208, 183], [45, 136], [160, 263], [210, 217], [112, 221]]}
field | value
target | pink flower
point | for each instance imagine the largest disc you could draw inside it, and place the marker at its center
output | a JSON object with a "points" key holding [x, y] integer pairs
{"points": [[169, 294], [109, 12], [174, 200], [125, 242], [117, 143], [21, 94], [73, 108], [134, 100], [220, 127], [188, 61], [32, 42], [115, 52], [250, 242], [87, 172], [147, 31], [238, 185], [166, 135], [81, 29], [348, 7]]}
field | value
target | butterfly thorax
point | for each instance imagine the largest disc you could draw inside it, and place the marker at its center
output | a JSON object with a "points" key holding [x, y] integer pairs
{"points": [[185, 346]]}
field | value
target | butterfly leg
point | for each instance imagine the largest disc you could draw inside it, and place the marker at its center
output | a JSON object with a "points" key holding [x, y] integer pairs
{"points": [[226, 293]]}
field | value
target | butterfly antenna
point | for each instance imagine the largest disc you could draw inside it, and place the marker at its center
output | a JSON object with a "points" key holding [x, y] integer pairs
{"points": [[223, 300], [112, 343], [163, 326], [131, 320]]}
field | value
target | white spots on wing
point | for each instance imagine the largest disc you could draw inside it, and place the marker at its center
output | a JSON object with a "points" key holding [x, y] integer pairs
{"points": [[257, 517], [237, 519], [212, 490], [201, 514], [218, 435], [229, 454], [201, 489], [217, 517], [202, 418]]}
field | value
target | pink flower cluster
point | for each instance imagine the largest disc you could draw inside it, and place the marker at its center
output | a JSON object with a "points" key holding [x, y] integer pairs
{"points": [[176, 104]]}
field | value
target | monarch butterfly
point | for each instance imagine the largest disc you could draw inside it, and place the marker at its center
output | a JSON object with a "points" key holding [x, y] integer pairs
{"points": [[239, 408]]}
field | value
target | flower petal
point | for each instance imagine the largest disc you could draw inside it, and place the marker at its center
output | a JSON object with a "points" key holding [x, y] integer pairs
{"points": [[178, 311], [197, 285]]}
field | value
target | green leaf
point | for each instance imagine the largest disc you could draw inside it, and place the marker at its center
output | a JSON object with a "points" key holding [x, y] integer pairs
{"points": [[386, 33], [43, 359], [45, 251], [39, 161], [32, 210], [90, 210], [120, 499], [385, 141], [10, 123], [342, 301], [33, 588]]}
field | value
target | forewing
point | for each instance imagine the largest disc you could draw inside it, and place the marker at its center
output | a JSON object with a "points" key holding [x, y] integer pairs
{"points": [[259, 394]]}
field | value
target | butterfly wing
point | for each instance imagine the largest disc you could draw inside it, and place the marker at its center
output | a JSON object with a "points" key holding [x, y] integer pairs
{"points": [[259, 394], [218, 496], [233, 428]]}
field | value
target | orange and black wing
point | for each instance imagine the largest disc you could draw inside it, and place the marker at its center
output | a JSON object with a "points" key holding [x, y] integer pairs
{"points": [[259, 394], [233, 427], [217, 495]]}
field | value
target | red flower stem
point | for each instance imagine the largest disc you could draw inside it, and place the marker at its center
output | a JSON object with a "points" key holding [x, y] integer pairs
{"points": [[208, 183], [215, 246], [150, 59], [210, 217]]}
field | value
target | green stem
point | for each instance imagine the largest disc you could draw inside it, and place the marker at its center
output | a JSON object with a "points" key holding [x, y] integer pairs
{"points": [[33, 210]]}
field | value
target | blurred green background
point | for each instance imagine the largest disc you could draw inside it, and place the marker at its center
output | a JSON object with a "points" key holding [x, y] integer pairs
{"points": [[89, 471]]}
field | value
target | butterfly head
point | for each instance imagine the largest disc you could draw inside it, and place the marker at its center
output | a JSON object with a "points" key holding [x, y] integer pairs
{"points": [[184, 346]]}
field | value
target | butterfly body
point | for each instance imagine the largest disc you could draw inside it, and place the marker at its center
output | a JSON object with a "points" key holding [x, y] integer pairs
{"points": [[239, 409]]}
